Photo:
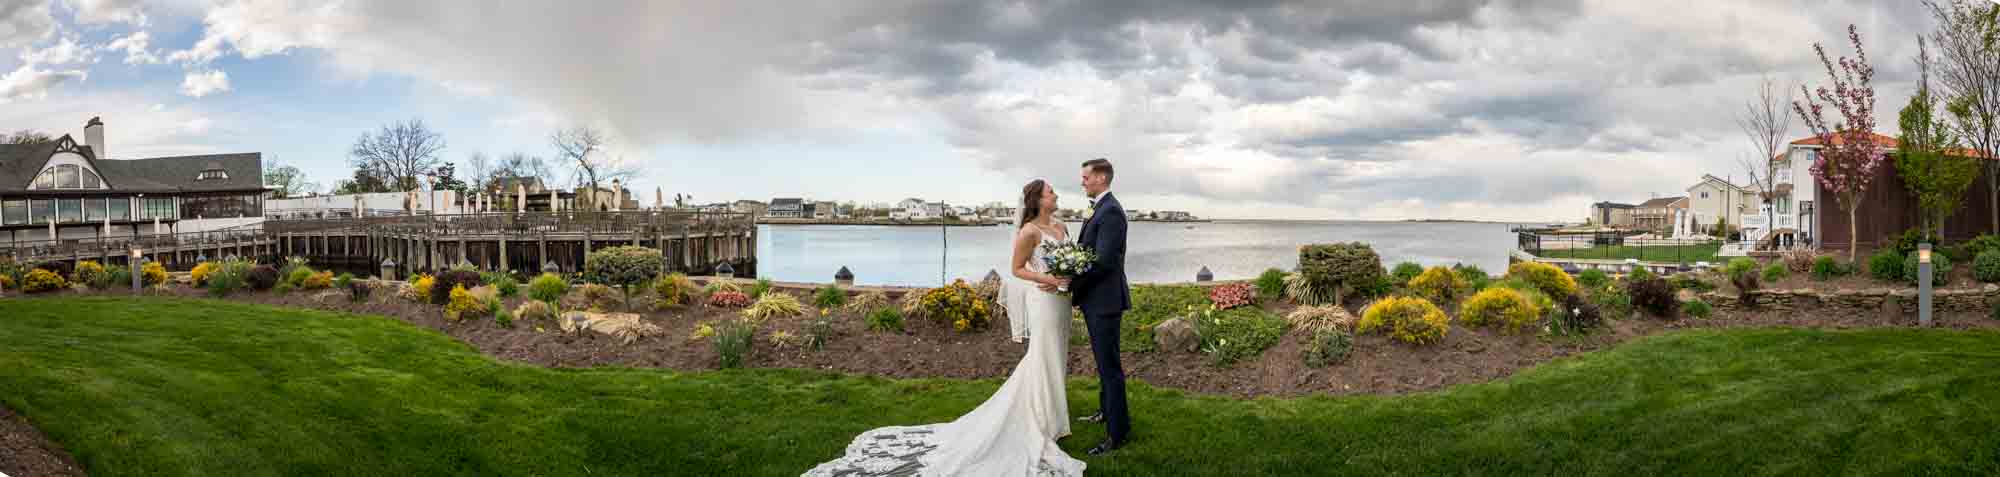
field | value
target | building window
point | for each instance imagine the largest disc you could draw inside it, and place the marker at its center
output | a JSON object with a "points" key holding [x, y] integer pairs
{"points": [[40, 211], [93, 209], [90, 179], [66, 177], [121, 208], [15, 212], [212, 174], [158, 208], [47, 180], [69, 210]]}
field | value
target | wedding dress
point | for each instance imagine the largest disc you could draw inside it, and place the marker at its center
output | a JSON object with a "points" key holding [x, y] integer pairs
{"points": [[1012, 434]]}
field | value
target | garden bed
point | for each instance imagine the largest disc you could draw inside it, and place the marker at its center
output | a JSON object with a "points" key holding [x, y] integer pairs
{"points": [[25, 452], [1376, 364]]}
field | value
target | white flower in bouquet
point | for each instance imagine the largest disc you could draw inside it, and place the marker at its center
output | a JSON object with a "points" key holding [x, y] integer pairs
{"points": [[1067, 260]]}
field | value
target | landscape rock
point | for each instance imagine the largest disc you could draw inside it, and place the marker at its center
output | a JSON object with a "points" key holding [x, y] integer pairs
{"points": [[1176, 335]]}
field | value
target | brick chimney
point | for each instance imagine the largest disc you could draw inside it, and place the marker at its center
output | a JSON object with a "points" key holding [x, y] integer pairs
{"points": [[93, 136]]}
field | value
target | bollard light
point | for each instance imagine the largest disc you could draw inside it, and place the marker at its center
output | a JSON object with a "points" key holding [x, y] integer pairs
{"points": [[388, 269], [725, 271], [550, 267], [1924, 284], [843, 277], [1204, 275], [137, 257]]}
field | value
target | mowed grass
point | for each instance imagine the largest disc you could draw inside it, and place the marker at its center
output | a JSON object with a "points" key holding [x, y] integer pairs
{"points": [[1650, 253], [153, 386]]}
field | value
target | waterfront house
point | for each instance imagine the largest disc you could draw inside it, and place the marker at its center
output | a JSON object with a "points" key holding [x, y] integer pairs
{"points": [[1886, 209], [1658, 214], [1610, 214], [1715, 199], [72, 190], [786, 208], [1173, 215], [825, 210], [751, 207]]}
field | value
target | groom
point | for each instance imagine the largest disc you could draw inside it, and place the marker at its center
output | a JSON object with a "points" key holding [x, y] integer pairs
{"points": [[1104, 296]]}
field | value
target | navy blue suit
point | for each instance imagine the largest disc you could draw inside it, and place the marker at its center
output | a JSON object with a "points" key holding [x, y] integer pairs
{"points": [[1103, 294]]}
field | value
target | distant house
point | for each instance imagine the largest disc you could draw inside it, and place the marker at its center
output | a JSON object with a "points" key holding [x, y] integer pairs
{"points": [[1611, 214], [1716, 200], [754, 208], [824, 210], [1658, 214], [786, 208], [1173, 215], [1885, 210], [934, 210]]}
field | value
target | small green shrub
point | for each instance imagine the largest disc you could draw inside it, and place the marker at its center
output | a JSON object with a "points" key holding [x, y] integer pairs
{"points": [[1640, 273], [1742, 274], [506, 285], [297, 275], [1229, 336], [1592, 278], [675, 289], [1612, 302], [1986, 266], [757, 290], [1827, 268], [732, 342], [1329, 346], [282, 288], [109, 277], [1940, 269], [1475, 278], [885, 319], [1271, 284], [534, 311], [1886, 265], [1151, 305], [1690, 281], [624, 267], [829, 296], [1409, 319], [228, 277], [455, 278], [343, 280], [1776, 272], [1335, 270], [501, 316], [1406, 271], [548, 288], [1697, 308], [1980, 245], [462, 305], [818, 332]]}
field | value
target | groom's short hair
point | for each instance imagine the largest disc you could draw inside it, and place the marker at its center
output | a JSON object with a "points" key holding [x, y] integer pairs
{"points": [[1100, 166]]}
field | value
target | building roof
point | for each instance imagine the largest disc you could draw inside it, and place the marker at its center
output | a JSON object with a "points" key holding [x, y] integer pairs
{"points": [[1661, 202], [1711, 178], [776, 203], [20, 163], [1611, 205], [1886, 142]]}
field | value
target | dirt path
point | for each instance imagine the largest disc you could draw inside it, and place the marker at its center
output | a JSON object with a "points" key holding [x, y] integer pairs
{"points": [[25, 452]]}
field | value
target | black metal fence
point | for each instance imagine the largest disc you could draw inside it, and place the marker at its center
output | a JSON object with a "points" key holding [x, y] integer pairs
{"points": [[1619, 247]]}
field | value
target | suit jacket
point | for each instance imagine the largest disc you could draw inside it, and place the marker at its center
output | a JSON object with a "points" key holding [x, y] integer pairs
{"points": [[1103, 289]]}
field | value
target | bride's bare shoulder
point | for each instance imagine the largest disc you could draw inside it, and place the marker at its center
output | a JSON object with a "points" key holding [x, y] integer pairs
{"points": [[1027, 233]]}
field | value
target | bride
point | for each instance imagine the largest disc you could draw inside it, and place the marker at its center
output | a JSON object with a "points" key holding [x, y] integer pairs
{"points": [[1014, 432]]}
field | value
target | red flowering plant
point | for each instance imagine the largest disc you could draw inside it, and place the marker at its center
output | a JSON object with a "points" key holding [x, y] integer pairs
{"points": [[1851, 152], [728, 299], [1231, 295]]}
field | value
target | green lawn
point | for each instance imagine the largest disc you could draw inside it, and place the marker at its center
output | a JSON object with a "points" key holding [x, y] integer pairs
{"points": [[197, 387], [1651, 253]]}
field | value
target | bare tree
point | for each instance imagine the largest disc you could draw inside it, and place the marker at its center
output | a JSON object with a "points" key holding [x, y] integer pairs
{"points": [[287, 181], [479, 172], [515, 165], [26, 136], [1968, 74], [400, 152], [1766, 120], [582, 149]]}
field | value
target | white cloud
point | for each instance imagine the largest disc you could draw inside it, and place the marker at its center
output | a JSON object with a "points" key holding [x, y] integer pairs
{"points": [[203, 83], [24, 22], [29, 82], [199, 125], [65, 51], [204, 51], [108, 11], [137, 48], [133, 127]]}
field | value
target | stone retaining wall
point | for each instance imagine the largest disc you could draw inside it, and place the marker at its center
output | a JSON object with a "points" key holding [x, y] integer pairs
{"points": [[1885, 300]]}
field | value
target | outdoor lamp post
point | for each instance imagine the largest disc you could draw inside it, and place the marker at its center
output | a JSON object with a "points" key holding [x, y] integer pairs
{"points": [[1924, 285], [137, 257]]}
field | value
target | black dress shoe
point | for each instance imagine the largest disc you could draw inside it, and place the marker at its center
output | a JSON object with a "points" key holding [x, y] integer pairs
{"points": [[1097, 417], [1106, 447]]}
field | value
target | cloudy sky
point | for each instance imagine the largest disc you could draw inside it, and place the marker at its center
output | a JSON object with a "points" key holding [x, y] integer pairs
{"points": [[1337, 109]]}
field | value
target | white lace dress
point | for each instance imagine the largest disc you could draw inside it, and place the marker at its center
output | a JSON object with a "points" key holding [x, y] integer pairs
{"points": [[1012, 434]]}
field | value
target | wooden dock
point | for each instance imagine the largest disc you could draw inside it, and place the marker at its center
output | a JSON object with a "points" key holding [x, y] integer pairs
{"points": [[527, 243]]}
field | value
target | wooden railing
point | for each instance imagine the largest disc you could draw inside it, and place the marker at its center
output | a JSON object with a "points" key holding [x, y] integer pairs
{"points": [[526, 223], [37, 250]]}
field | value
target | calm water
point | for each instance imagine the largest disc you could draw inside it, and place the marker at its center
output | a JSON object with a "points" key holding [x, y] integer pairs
{"points": [[1160, 252]]}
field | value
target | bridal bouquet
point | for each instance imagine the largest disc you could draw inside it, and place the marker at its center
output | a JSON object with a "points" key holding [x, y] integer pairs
{"points": [[1067, 260]]}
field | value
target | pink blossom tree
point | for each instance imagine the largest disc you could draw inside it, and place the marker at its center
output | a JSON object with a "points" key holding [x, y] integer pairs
{"points": [[1849, 153]]}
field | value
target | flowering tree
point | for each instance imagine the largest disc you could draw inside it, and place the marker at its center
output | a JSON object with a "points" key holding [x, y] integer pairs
{"points": [[1849, 153]]}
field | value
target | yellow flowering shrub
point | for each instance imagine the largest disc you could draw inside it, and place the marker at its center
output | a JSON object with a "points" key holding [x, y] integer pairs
{"points": [[463, 305], [39, 280], [153, 273], [1439, 283], [959, 304], [1409, 319], [87, 270], [422, 286], [1550, 280], [316, 281], [6, 282], [1506, 307], [201, 273]]}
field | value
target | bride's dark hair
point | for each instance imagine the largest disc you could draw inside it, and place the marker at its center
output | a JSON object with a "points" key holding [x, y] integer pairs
{"points": [[1031, 201]]}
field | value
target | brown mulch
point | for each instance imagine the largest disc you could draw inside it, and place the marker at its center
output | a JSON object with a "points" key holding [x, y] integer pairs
{"points": [[1376, 365], [25, 452]]}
